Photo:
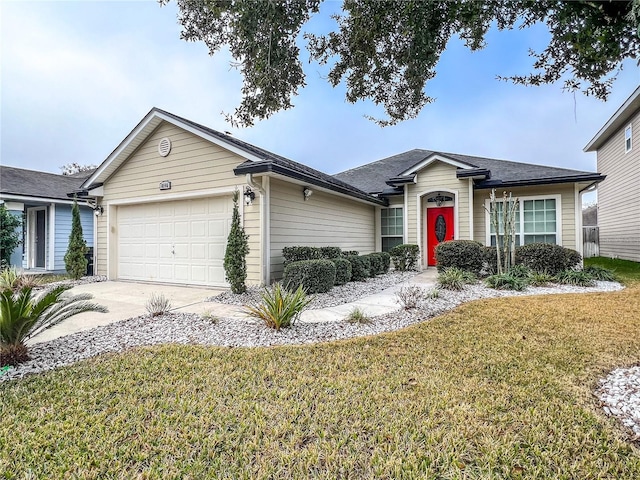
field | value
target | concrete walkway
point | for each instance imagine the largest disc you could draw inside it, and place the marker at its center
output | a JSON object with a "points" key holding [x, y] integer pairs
{"points": [[128, 299]]}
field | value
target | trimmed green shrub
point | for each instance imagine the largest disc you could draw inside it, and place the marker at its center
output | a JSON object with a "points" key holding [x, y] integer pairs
{"points": [[489, 260], [75, 260], [376, 264], [405, 257], [386, 261], [350, 253], [235, 253], [463, 254], [330, 252], [546, 257], [315, 276], [343, 270], [360, 268], [9, 234], [601, 273], [506, 281], [298, 254], [575, 277]]}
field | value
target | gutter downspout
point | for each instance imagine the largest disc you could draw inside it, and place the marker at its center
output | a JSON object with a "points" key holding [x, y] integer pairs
{"points": [[264, 229]]}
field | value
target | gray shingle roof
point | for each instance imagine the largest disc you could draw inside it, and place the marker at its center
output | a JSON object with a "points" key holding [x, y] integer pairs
{"points": [[372, 176], [31, 183]]}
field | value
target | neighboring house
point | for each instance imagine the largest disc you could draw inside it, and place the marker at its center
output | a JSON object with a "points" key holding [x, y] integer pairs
{"points": [[618, 152], [165, 197], [42, 200]]}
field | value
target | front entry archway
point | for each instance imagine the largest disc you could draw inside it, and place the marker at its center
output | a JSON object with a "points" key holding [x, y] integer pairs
{"points": [[440, 228]]}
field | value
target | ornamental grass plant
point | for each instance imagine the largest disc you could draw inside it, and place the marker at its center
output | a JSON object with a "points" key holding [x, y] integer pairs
{"points": [[279, 307]]}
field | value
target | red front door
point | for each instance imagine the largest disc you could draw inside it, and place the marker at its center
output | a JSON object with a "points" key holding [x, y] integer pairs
{"points": [[439, 229]]}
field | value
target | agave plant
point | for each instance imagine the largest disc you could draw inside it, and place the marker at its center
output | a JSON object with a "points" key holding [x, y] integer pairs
{"points": [[24, 315]]}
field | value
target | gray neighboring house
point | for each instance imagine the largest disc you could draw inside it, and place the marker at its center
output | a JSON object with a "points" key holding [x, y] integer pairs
{"points": [[42, 200], [618, 153]]}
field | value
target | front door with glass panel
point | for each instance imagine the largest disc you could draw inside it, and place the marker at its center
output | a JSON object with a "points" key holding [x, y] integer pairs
{"points": [[439, 229]]}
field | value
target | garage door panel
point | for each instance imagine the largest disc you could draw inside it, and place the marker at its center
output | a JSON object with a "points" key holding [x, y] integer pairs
{"points": [[176, 242]]}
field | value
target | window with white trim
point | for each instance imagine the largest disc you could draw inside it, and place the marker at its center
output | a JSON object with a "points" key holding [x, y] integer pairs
{"points": [[628, 139], [391, 227], [537, 221]]}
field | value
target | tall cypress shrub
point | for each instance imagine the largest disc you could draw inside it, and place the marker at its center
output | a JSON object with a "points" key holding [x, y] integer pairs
{"points": [[235, 255], [74, 260], [9, 235]]}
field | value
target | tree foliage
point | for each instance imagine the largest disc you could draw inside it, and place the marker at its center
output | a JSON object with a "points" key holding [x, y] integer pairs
{"points": [[74, 260], [386, 50], [74, 167], [9, 234], [235, 254]]}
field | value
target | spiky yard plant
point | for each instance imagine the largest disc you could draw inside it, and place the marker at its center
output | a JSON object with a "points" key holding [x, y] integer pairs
{"points": [[410, 296], [158, 304], [235, 254], [279, 308], [357, 315], [12, 279], [74, 260], [24, 315]]}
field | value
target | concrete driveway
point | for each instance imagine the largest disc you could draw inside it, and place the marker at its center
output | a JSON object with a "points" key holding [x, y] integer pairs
{"points": [[125, 300]]}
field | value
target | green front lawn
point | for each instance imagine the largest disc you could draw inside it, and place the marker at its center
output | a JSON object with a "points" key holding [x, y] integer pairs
{"points": [[497, 388], [626, 270]]}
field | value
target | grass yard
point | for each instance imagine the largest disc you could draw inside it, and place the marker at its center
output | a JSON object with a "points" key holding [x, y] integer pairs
{"points": [[628, 271], [497, 388]]}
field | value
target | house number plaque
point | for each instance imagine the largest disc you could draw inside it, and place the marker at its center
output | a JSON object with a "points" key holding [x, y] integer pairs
{"points": [[165, 185]]}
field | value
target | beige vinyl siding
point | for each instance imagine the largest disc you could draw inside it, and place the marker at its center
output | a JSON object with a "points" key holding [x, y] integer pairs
{"points": [[192, 166], [619, 195], [567, 199], [437, 176], [323, 220]]}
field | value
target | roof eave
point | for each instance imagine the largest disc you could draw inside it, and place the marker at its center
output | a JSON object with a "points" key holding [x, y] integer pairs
{"points": [[595, 178], [617, 120], [269, 167]]}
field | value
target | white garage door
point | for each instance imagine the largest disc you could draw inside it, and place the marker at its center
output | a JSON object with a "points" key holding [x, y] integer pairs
{"points": [[174, 242]]}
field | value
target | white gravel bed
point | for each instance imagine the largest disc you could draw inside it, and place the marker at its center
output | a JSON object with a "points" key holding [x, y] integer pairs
{"points": [[186, 328], [338, 295], [619, 393], [80, 281]]}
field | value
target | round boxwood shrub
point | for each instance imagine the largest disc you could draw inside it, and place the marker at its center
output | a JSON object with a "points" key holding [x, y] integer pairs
{"points": [[490, 260], [376, 264], [298, 253], [350, 253], [546, 257], [405, 256], [343, 270], [386, 261], [360, 268], [315, 276], [463, 254], [330, 252]]}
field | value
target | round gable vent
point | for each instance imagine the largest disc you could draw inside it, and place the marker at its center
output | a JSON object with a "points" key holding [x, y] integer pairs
{"points": [[164, 146]]}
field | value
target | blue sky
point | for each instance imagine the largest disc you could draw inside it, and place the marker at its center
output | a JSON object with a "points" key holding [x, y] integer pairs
{"points": [[78, 76]]}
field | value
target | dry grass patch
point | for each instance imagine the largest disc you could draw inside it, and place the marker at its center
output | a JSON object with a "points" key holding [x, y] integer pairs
{"points": [[495, 389]]}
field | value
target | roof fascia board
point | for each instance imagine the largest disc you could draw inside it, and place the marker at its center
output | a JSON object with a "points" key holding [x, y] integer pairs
{"points": [[24, 199], [432, 158], [596, 178], [617, 120], [267, 167]]}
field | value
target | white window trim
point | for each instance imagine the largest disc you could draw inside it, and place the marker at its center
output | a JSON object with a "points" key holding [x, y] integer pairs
{"points": [[404, 221], [557, 198], [630, 128]]}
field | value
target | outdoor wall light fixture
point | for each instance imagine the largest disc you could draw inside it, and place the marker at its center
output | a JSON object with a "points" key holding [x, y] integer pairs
{"points": [[98, 210], [306, 192], [249, 196]]}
